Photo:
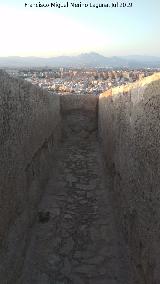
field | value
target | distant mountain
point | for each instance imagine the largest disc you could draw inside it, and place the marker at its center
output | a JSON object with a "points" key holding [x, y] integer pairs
{"points": [[83, 60]]}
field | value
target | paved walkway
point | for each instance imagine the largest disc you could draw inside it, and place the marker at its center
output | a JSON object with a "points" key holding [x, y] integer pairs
{"points": [[76, 242]]}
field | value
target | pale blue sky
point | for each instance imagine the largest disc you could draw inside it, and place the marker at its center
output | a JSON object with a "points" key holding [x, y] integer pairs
{"points": [[70, 31]]}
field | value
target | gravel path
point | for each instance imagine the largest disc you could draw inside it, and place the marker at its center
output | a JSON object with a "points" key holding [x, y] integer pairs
{"points": [[74, 240]]}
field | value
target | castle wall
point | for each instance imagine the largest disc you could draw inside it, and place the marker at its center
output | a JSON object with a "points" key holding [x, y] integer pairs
{"points": [[32, 123], [79, 116], [129, 120], [30, 130], [78, 102]]}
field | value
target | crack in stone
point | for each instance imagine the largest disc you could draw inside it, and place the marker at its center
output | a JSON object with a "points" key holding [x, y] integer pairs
{"points": [[78, 243]]}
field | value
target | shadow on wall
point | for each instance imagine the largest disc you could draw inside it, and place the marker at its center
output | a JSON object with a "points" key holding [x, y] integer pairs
{"points": [[129, 119], [79, 116], [30, 133], [30, 129]]}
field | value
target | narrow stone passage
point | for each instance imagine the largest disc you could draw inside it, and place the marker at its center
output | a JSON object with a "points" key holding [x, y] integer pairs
{"points": [[76, 242]]}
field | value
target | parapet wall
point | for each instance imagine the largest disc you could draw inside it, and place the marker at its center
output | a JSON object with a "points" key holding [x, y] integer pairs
{"points": [[30, 133], [129, 125], [31, 123], [79, 116], [30, 128], [78, 102]]}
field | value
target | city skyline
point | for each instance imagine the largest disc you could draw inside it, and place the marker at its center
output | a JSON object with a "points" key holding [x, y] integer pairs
{"points": [[49, 32]]}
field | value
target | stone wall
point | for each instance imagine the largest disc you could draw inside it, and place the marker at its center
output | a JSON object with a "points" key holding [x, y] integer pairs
{"points": [[30, 128], [78, 102], [129, 126], [79, 116]]}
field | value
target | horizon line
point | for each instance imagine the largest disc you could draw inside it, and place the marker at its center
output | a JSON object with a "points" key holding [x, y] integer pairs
{"points": [[87, 53]]}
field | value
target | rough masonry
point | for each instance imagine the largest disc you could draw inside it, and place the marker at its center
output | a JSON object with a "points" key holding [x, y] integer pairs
{"points": [[30, 128], [129, 120], [79, 242], [76, 171]]}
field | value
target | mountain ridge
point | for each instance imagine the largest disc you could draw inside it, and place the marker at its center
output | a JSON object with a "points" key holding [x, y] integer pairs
{"points": [[91, 59]]}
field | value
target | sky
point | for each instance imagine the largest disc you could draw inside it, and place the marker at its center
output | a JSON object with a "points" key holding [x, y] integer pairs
{"points": [[50, 32]]}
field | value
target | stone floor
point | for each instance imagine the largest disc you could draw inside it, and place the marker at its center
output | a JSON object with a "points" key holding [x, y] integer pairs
{"points": [[76, 242]]}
